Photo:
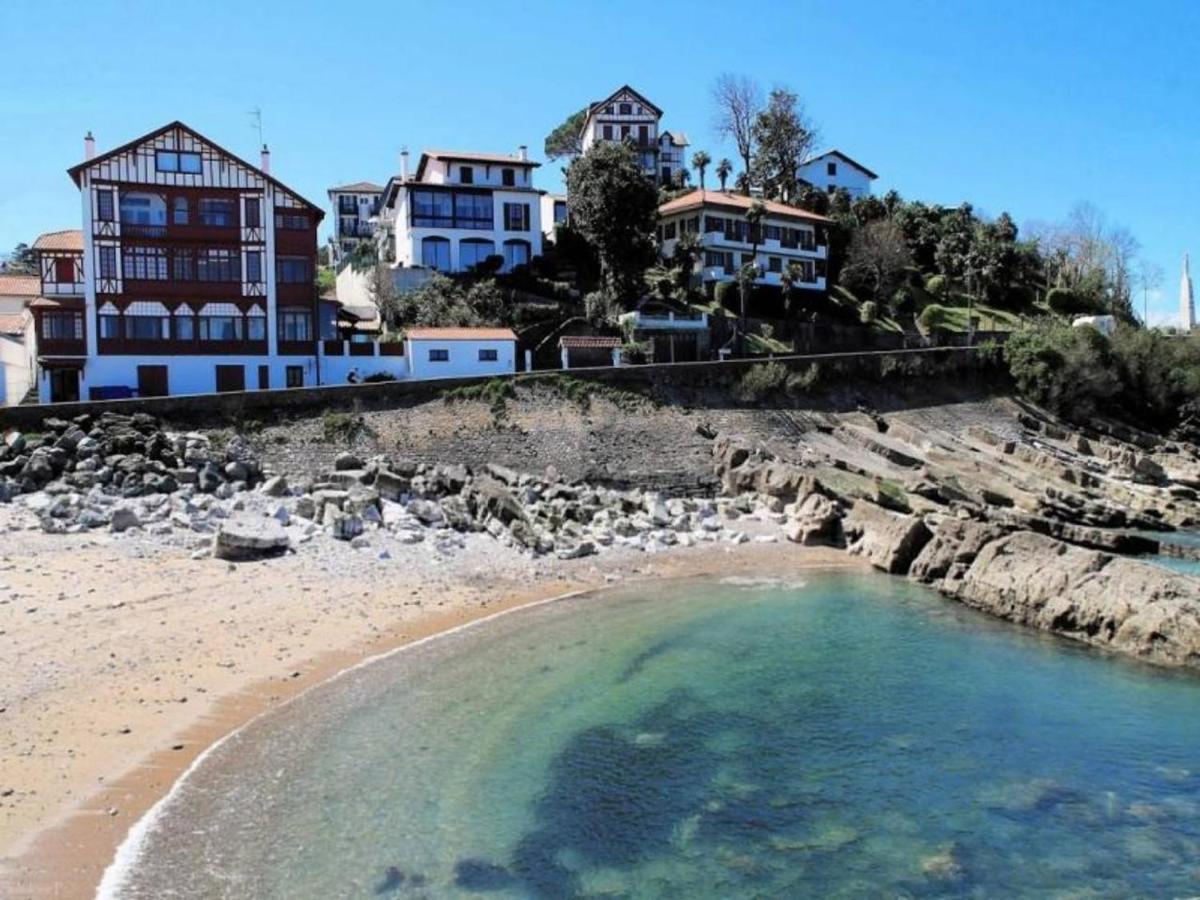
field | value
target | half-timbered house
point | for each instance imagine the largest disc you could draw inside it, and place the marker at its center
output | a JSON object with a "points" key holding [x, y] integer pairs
{"points": [[193, 273], [627, 116]]}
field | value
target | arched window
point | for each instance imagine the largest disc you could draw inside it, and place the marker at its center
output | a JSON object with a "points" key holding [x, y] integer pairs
{"points": [[516, 253], [473, 251], [179, 211], [435, 253]]}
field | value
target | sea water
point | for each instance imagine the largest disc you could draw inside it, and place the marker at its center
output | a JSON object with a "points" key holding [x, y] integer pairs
{"points": [[850, 735]]}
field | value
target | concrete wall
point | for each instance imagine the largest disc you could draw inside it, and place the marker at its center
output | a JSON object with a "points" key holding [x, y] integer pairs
{"points": [[211, 409]]}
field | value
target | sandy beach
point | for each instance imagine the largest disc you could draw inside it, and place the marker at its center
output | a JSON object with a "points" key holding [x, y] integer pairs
{"points": [[125, 659]]}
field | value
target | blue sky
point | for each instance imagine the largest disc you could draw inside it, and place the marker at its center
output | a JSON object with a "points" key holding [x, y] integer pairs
{"points": [[1022, 106]]}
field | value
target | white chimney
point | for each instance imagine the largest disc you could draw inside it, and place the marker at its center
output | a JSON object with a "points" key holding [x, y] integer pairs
{"points": [[523, 153], [266, 160], [89, 146], [404, 164]]}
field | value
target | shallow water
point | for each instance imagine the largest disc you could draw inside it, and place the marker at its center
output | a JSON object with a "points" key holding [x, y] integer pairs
{"points": [[1184, 539], [852, 736]]}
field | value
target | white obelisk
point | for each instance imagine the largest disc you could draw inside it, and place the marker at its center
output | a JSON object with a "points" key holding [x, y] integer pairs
{"points": [[1187, 300]]}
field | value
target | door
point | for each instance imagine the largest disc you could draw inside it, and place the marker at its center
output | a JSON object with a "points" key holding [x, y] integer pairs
{"points": [[686, 348], [64, 385], [264, 377], [231, 378], [152, 381]]}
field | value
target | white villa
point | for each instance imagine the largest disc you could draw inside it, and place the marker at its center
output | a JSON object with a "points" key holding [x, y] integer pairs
{"points": [[354, 208], [626, 115], [788, 235], [460, 208], [833, 169]]}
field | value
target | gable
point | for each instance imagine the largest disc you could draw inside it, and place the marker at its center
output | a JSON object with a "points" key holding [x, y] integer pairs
{"points": [[626, 94]]}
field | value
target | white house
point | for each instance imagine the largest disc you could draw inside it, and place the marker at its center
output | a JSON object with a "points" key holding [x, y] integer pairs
{"points": [[460, 208], [459, 352], [787, 235], [354, 208], [193, 272], [833, 169], [625, 115], [554, 213], [17, 337]]}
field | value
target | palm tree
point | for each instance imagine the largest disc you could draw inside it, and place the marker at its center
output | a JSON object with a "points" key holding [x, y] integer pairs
{"points": [[749, 273], [724, 170], [700, 161]]}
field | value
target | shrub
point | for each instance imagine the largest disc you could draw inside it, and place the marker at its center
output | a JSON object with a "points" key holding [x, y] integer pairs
{"points": [[936, 285], [635, 353], [762, 380], [868, 312], [1069, 370], [600, 308], [800, 383], [933, 318], [377, 377], [903, 301], [1067, 302]]}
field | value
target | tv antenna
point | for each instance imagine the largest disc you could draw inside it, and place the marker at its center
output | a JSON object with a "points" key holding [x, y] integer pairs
{"points": [[256, 122]]}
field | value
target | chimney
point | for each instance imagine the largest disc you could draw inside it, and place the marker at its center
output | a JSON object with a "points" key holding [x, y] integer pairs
{"points": [[523, 153], [89, 146], [266, 160], [404, 164]]}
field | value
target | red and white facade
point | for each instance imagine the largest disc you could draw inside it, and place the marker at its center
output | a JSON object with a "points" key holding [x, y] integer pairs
{"points": [[193, 273]]}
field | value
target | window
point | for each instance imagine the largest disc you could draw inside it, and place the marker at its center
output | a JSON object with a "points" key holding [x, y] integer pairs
{"points": [[254, 266], [643, 135], [626, 109], [624, 131], [144, 263], [713, 223], [218, 212], [110, 327], [439, 356], [183, 264], [669, 231], [435, 253], [294, 376], [450, 209], [717, 259], [516, 253], [831, 168], [774, 264], [291, 221], [62, 326], [293, 270], [295, 325], [146, 328], [608, 132], [185, 326], [171, 161], [560, 211], [474, 251], [251, 212], [179, 211], [106, 258], [488, 355], [772, 232], [217, 265], [256, 328], [807, 273], [220, 328], [747, 259], [143, 209], [64, 269], [516, 216], [508, 177], [466, 175], [104, 206]]}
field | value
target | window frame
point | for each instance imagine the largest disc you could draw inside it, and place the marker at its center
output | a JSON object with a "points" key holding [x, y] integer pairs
{"points": [[489, 354], [439, 354]]}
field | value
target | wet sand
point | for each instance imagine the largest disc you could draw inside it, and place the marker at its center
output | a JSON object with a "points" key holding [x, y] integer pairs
{"points": [[124, 662]]}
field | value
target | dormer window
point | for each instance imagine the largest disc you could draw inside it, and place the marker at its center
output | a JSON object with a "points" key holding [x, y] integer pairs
{"points": [[508, 177], [626, 109], [466, 175]]}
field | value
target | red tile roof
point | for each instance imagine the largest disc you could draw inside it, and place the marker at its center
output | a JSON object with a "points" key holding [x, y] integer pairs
{"points": [[697, 199], [13, 323], [589, 342], [72, 239], [19, 285], [460, 334]]}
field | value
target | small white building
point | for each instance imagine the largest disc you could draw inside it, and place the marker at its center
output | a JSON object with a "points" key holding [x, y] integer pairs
{"points": [[625, 115], [788, 235], [17, 337], [461, 208], [554, 213], [833, 169], [354, 209], [460, 352]]}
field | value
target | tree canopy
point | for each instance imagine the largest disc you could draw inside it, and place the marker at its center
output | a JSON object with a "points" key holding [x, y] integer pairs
{"points": [[783, 137], [566, 140]]}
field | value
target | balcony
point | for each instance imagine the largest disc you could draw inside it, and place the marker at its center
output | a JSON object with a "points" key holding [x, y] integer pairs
{"points": [[192, 230], [671, 321], [356, 229]]}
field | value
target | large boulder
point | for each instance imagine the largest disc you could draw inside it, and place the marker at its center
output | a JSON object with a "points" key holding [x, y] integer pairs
{"points": [[954, 545], [814, 520], [889, 541], [247, 537]]}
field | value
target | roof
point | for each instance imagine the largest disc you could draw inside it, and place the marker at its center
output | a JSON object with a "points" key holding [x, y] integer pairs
{"points": [[832, 151], [13, 324], [588, 342], [460, 334], [71, 239], [358, 187], [75, 170], [498, 159], [697, 199], [623, 88], [678, 138], [19, 285], [65, 302]]}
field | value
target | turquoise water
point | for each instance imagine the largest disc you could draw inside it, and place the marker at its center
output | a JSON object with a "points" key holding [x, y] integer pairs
{"points": [[1185, 539], [852, 736]]}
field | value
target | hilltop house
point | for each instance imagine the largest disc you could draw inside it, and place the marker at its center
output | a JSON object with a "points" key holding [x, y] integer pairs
{"points": [[787, 235], [16, 336], [460, 208], [354, 207], [625, 115], [193, 272], [833, 169]]}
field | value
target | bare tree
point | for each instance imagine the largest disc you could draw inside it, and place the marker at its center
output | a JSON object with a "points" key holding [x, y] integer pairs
{"points": [[737, 100], [880, 253], [1149, 278]]}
